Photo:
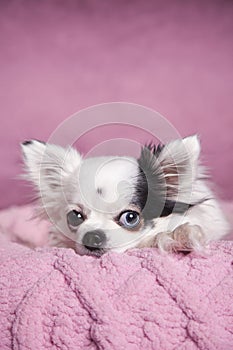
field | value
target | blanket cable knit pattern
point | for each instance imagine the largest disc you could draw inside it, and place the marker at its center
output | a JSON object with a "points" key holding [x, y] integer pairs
{"points": [[55, 299]]}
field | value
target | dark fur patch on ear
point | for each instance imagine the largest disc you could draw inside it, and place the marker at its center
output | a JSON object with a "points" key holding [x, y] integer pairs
{"points": [[155, 149], [30, 142], [150, 190], [27, 142], [43, 143]]}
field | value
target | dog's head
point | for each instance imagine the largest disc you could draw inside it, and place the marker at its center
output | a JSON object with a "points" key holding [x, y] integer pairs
{"points": [[111, 203]]}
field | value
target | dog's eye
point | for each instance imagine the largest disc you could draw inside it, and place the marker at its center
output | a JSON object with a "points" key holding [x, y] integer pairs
{"points": [[129, 219], [74, 218]]}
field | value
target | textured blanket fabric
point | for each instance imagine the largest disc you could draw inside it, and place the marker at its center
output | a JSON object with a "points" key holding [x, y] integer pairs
{"points": [[55, 299]]}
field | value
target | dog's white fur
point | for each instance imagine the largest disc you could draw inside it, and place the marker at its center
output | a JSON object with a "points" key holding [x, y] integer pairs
{"points": [[102, 187]]}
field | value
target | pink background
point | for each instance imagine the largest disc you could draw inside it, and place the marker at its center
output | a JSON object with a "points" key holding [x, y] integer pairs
{"points": [[58, 57]]}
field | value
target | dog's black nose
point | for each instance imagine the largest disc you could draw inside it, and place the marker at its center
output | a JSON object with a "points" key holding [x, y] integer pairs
{"points": [[94, 240]]}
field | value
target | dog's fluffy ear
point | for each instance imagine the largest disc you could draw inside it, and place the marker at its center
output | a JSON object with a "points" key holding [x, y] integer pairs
{"points": [[48, 165], [182, 150], [176, 162], [179, 162]]}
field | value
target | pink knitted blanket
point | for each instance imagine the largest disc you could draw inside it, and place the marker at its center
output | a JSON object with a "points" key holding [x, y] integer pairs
{"points": [[55, 299]]}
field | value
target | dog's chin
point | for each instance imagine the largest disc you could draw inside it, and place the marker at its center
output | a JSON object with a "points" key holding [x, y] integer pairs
{"points": [[81, 250]]}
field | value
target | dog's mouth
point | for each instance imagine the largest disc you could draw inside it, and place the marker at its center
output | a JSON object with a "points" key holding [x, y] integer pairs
{"points": [[95, 252], [90, 251]]}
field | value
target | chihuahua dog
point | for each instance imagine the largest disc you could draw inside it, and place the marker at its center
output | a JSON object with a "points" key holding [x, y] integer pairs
{"points": [[115, 203]]}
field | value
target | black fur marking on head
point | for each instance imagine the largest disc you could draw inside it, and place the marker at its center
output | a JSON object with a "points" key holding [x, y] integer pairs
{"points": [[175, 207], [150, 191], [179, 207]]}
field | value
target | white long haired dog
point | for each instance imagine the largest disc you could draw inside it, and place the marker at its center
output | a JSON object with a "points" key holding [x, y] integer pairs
{"points": [[117, 203]]}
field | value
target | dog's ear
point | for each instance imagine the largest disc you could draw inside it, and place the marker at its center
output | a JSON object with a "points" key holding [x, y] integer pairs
{"points": [[48, 165], [175, 162], [179, 163]]}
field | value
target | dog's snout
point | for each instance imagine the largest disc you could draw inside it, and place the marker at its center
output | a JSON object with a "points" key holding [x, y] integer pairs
{"points": [[94, 240]]}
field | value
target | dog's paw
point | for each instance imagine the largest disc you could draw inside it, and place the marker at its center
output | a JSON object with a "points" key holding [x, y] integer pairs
{"points": [[188, 237], [185, 238]]}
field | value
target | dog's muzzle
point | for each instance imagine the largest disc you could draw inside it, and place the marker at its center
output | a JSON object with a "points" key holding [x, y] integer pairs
{"points": [[94, 240]]}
